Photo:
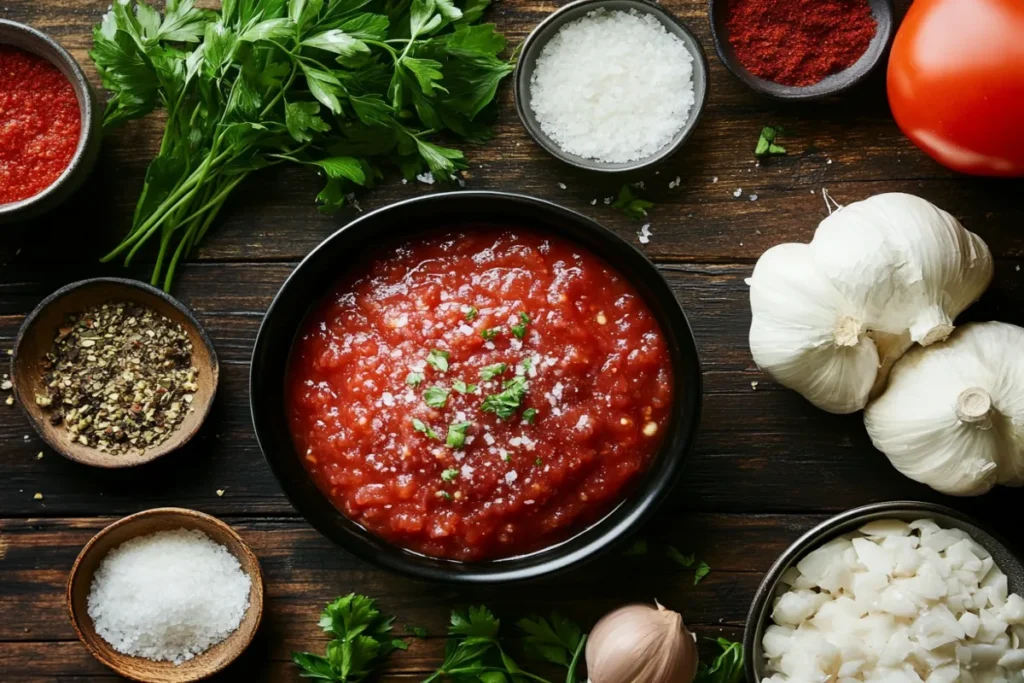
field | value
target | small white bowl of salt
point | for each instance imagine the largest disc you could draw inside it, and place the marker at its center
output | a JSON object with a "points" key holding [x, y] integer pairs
{"points": [[611, 85], [168, 595]]}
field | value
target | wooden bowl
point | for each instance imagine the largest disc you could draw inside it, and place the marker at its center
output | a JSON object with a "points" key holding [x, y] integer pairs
{"points": [[35, 340], [143, 523]]}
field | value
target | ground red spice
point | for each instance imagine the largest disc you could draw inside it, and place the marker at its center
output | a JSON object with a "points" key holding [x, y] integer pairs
{"points": [[40, 124], [799, 42]]}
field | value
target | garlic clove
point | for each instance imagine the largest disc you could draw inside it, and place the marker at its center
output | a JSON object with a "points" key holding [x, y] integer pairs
{"points": [[952, 416], [641, 644], [806, 334]]}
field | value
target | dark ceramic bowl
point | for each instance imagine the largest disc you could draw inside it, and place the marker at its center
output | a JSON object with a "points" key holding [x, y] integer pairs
{"points": [[29, 39], [540, 36], [849, 521], [831, 85], [320, 271]]}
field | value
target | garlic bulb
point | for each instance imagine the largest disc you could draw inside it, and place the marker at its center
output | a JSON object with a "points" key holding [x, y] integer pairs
{"points": [[641, 644], [831, 317], [952, 416]]}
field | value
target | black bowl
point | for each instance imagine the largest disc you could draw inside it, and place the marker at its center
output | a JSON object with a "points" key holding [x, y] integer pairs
{"points": [[831, 85], [315, 276], [847, 522]]}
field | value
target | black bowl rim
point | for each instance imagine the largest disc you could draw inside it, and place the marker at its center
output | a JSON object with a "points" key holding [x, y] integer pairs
{"points": [[548, 145], [682, 432], [845, 522], [789, 93], [130, 284], [89, 138]]}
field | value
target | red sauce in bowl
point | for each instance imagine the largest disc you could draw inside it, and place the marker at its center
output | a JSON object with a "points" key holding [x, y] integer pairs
{"points": [[404, 417], [40, 124]]}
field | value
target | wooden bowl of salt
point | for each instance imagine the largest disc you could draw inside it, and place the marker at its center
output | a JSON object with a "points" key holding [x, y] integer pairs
{"points": [[176, 527]]}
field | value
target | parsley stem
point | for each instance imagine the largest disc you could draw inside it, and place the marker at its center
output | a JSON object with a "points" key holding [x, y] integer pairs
{"points": [[570, 677], [282, 91]]}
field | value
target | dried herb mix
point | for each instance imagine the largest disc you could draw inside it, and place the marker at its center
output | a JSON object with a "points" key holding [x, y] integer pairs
{"points": [[119, 377]]}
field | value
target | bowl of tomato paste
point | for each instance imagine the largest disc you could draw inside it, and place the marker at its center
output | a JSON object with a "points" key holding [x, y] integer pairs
{"points": [[49, 123], [475, 387]]}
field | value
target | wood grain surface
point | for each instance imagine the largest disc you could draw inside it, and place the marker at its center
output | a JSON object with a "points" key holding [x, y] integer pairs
{"points": [[766, 465]]}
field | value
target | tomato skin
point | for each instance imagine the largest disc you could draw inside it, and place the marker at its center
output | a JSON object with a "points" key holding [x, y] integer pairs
{"points": [[956, 83]]}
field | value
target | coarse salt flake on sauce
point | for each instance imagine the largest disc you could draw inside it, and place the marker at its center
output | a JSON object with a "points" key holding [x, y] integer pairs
{"points": [[495, 443]]}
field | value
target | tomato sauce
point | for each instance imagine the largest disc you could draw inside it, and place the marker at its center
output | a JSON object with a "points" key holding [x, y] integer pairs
{"points": [[411, 347], [40, 124]]}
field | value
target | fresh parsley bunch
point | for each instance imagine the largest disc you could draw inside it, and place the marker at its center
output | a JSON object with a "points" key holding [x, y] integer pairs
{"points": [[361, 641], [349, 86]]}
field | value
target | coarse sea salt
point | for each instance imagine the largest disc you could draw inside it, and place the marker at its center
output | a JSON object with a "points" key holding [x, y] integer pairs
{"points": [[613, 86], [168, 596]]}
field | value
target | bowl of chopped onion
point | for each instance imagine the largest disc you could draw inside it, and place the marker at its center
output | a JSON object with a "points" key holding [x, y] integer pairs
{"points": [[898, 591]]}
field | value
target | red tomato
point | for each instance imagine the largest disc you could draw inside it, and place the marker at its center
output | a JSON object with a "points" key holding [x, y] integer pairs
{"points": [[956, 83]]}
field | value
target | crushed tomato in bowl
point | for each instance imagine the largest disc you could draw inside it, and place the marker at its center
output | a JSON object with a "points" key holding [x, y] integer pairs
{"points": [[479, 394]]}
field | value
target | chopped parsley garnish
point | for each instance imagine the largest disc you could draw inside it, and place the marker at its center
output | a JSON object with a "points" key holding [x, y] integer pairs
{"points": [[702, 570], [527, 364], [417, 631], [492, 371], [445, 495], [435, 397], [683, 560], [529, 415], [506, 403], [766, 143], [520, 330], [456, 437], [630, 204], [419, 426], [463, 388], [438, 359], [449, 474], [538, 462], [638, 548], [490, 333], [471, 314], [414, 379]]}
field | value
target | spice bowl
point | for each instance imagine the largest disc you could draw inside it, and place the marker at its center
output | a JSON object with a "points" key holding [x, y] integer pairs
{"points": [[29, 366], [851, 520], [145, 523], [881, 10], [546, 30], [82, 162]]}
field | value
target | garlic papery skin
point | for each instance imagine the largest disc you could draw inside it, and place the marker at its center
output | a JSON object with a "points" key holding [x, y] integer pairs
{"points": [[641, 644], [831, 317], [952, 416]]}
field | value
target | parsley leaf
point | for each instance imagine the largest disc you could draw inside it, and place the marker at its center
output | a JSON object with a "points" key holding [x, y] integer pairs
{"points": [[438, 359], [529, 415], [766, 142], [471, 314], [519, 329], [414, 379], [702, 570], [683, 560], [457, 436], [420, 426], [361, 640], [727, 667], [417, 631], [490, 333], [463, 388], [506, 403], [450, 474], [630, 204], [492, 371], [435, 397], [638, 548]]}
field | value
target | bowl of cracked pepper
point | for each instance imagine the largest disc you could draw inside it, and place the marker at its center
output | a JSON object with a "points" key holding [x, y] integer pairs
{"points": [[114, 373]]}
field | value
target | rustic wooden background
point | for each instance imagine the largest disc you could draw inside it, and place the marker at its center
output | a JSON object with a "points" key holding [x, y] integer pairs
{"points": [[766, 465]]}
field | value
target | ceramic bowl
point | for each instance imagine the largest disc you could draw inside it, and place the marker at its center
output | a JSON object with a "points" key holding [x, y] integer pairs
{"points": [[35, 340], [544, 31], [837, 83], [144, 523], [320, 271], [908, 511], [82, 163]]}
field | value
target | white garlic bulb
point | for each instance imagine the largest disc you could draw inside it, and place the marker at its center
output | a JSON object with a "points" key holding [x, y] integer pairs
{"points": [[952, 416], [830, 317]]}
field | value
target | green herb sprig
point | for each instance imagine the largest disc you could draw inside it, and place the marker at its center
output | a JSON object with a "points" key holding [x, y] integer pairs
{"points": [[632, 205], [766, 142], [348, 87]]}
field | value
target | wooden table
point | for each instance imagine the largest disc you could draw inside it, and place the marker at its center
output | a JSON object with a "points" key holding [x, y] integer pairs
{"points": [[766, 465]]}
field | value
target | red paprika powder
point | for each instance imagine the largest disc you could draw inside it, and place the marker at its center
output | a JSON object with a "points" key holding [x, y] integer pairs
{"points": [[799, 42], [40, 124]]}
